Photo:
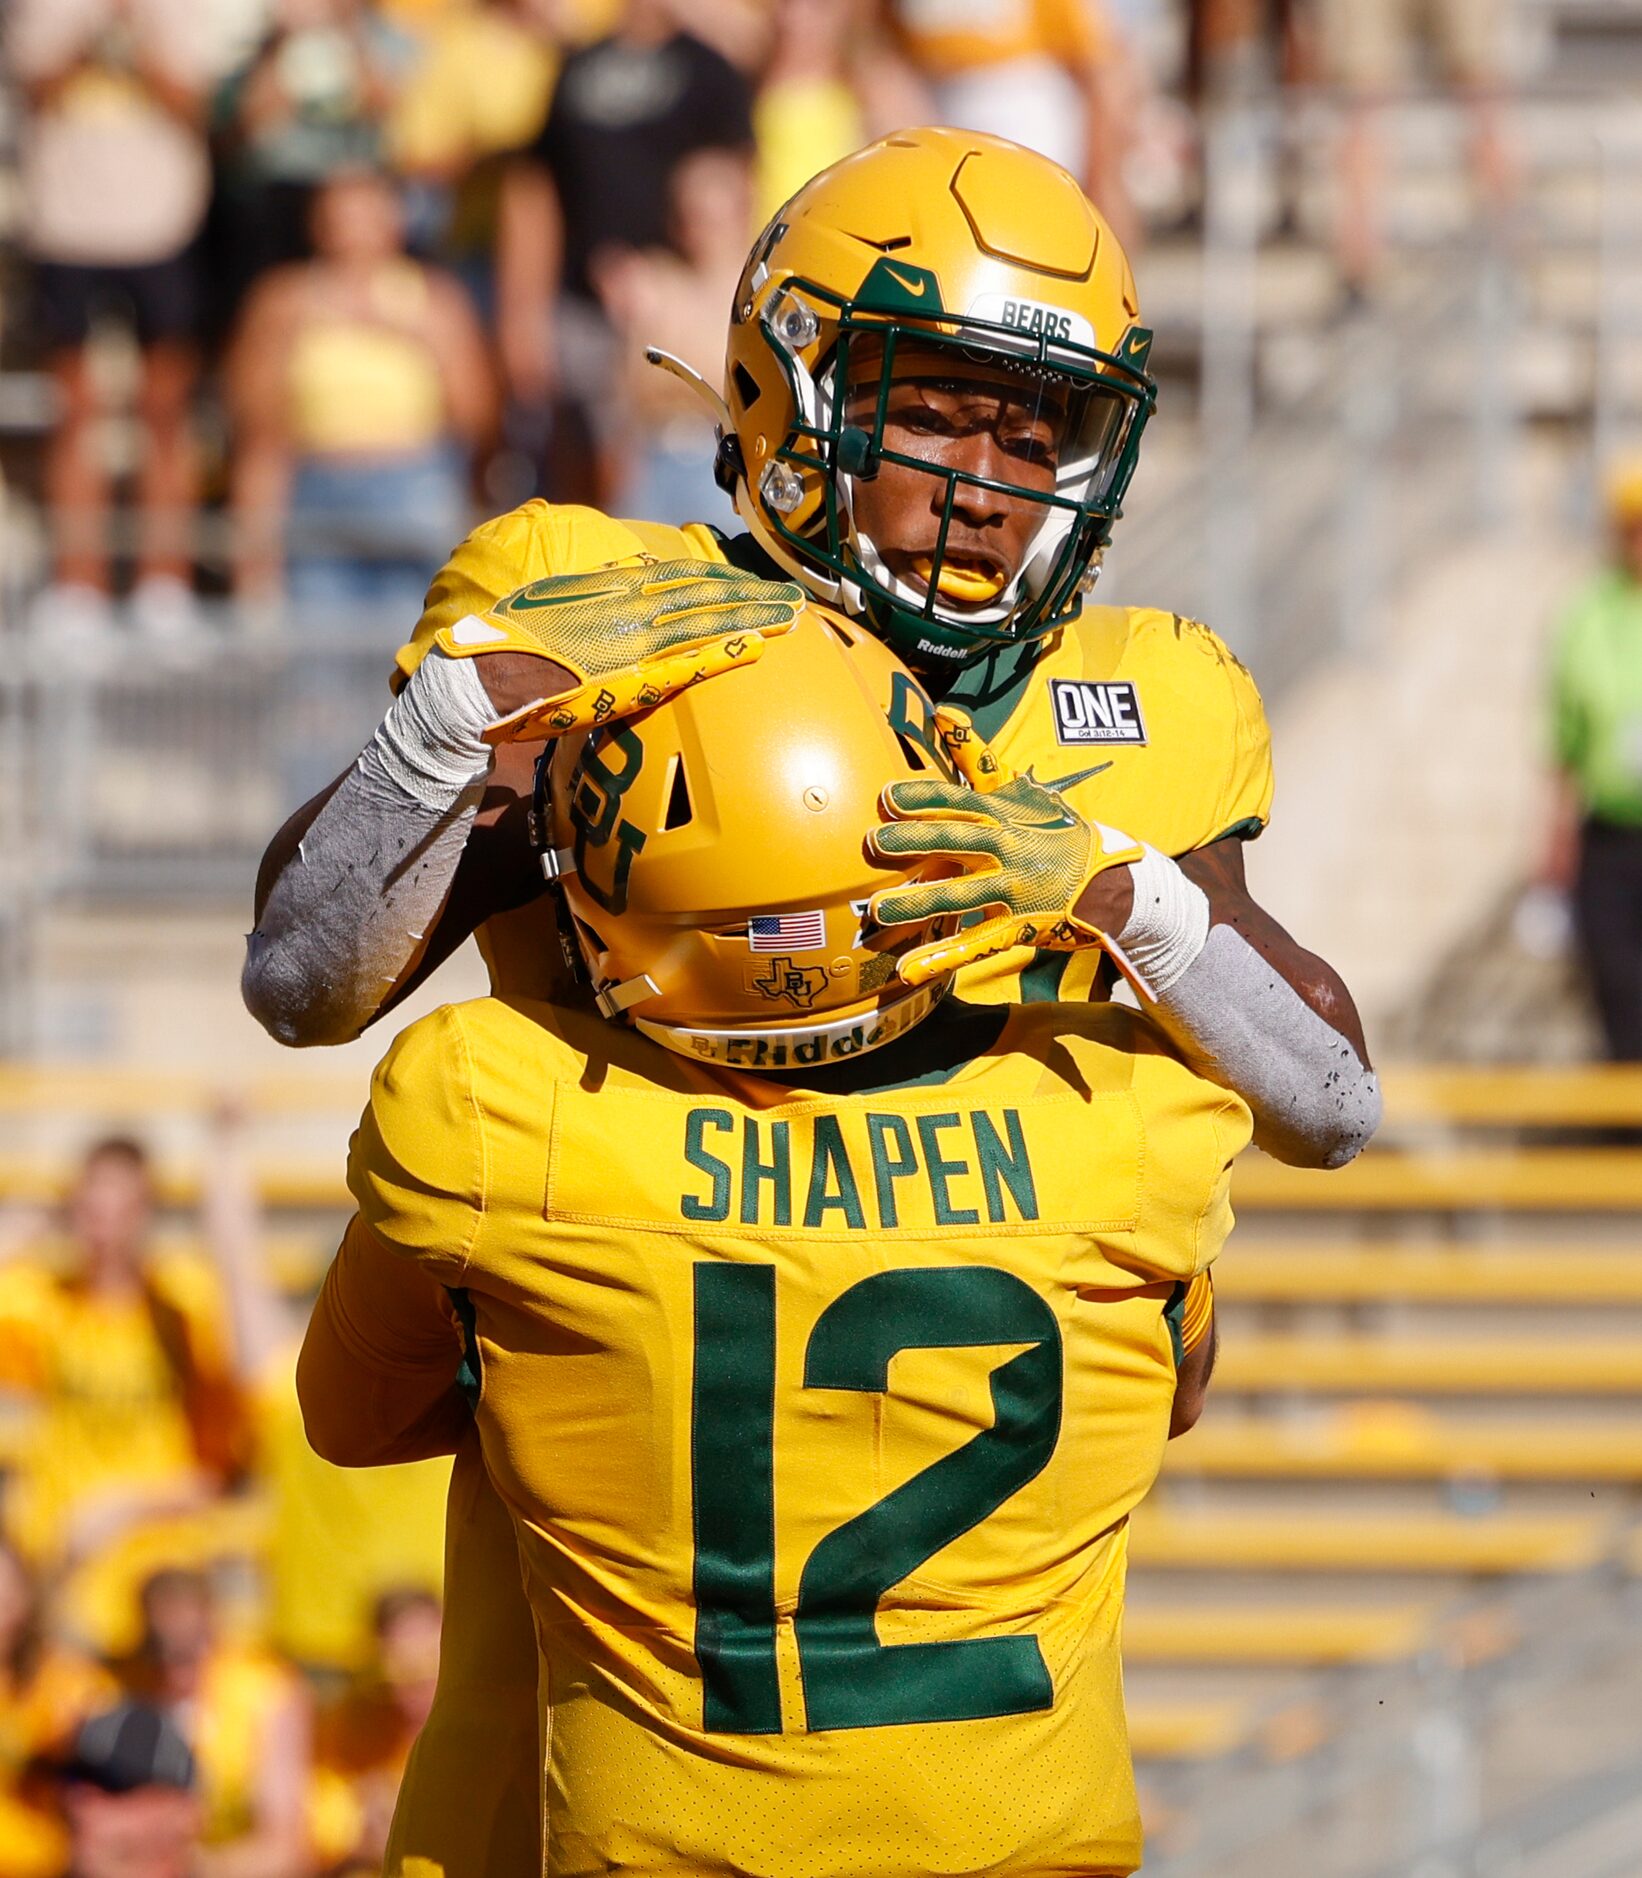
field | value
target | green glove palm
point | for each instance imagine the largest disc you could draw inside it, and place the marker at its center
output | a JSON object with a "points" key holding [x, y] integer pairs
{"points": [[631, 636], [1026, 851]]}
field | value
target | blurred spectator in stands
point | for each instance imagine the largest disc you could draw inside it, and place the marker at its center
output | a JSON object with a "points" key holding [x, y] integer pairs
{"points": [[1051, 74], [117, 1360], [311, 100], [128, 1793], [364, 1738], [821, 95], [477, 90], [1595, 849], [339, 1538], [627, 109], [46, 1692], [115, 185], [358, 387], [677, 298], [247, 1721], [1371, 52]]}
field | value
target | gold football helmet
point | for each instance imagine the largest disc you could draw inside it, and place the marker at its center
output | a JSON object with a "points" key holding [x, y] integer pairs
{"points": [[992, 254], [712, 853]]}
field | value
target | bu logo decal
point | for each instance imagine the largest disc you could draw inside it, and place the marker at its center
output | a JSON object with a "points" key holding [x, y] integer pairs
{"points": [[1087, 711]]}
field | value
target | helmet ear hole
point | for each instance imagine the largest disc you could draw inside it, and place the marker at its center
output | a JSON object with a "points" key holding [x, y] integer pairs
{"points": [[591, 937], [914, 756]]}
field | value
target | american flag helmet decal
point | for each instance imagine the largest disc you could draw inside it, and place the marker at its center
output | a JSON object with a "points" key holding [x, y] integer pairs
{"points": [[787, 932]]}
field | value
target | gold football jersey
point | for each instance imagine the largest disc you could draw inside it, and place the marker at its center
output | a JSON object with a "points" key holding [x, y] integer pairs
{"points": [[1160, 726], [818, 1418]]}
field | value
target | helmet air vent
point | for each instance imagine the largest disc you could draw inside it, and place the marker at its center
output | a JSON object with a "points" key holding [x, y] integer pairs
{"points": [[747, 388], [679, 812], [914, 756]]}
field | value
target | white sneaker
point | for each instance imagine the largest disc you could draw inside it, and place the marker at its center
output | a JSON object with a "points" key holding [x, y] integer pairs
{"points": [[74, 620], [163, 608]]}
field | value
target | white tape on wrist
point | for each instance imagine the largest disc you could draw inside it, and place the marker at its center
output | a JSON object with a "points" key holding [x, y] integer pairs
{"points": [[1169, 925], [431, 743]]}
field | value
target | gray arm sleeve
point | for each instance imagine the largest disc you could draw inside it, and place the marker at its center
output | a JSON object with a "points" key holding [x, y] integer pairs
{"points": [[345, 920], [1315, 1103]]}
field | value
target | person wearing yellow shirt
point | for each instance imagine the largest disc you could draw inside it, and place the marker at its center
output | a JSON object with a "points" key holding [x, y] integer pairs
{"points": [[822, 1376], [46, 1692], [119, 1365], [1052, 74], [363, 1738], [333, 1543], [247, 1720], [358, 385]]}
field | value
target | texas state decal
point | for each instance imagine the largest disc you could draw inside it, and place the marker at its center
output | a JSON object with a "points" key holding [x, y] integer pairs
{"points": [[1090, 711]]}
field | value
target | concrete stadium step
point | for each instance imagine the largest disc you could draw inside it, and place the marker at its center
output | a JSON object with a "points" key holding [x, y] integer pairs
{"points": [[1165, 1538]]}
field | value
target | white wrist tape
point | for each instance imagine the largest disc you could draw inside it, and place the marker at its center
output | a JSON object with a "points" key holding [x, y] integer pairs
{"points": [[1169, 925], [431, 743]]}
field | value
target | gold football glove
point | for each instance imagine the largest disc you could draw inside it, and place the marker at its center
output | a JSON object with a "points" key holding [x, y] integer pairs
{"points": [[1025, 851], [632, 636]]}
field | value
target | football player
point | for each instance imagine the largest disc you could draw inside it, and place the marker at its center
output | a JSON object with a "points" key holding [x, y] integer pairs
{"points": [[936, 389], [823, 1330], [950, 483]]}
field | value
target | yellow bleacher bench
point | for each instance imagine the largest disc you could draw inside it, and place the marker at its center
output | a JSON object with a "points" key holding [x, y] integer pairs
{"points": [[1260, 1540], [1185, 1731], [1394, 1366], [1533, 1180], [291, 1186], [1428, 1272], [1277, 1635], [112, 1093], [1575, 1095], [1374, 1443]]}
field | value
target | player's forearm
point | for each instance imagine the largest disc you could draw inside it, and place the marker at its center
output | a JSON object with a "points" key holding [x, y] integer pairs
{"points": [[344, 920], [1315, 1097], [377, 1374], [1249, 1007]]}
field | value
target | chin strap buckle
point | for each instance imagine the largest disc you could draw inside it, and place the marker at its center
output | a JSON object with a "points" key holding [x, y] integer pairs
{"points": [[612, 1000], [557, 862]]}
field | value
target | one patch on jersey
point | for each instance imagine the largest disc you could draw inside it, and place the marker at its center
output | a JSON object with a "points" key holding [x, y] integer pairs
{"points": [[1089, 710]]}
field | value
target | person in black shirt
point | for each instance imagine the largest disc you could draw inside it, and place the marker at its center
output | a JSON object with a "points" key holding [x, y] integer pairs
{"points": [[626, 110]]}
